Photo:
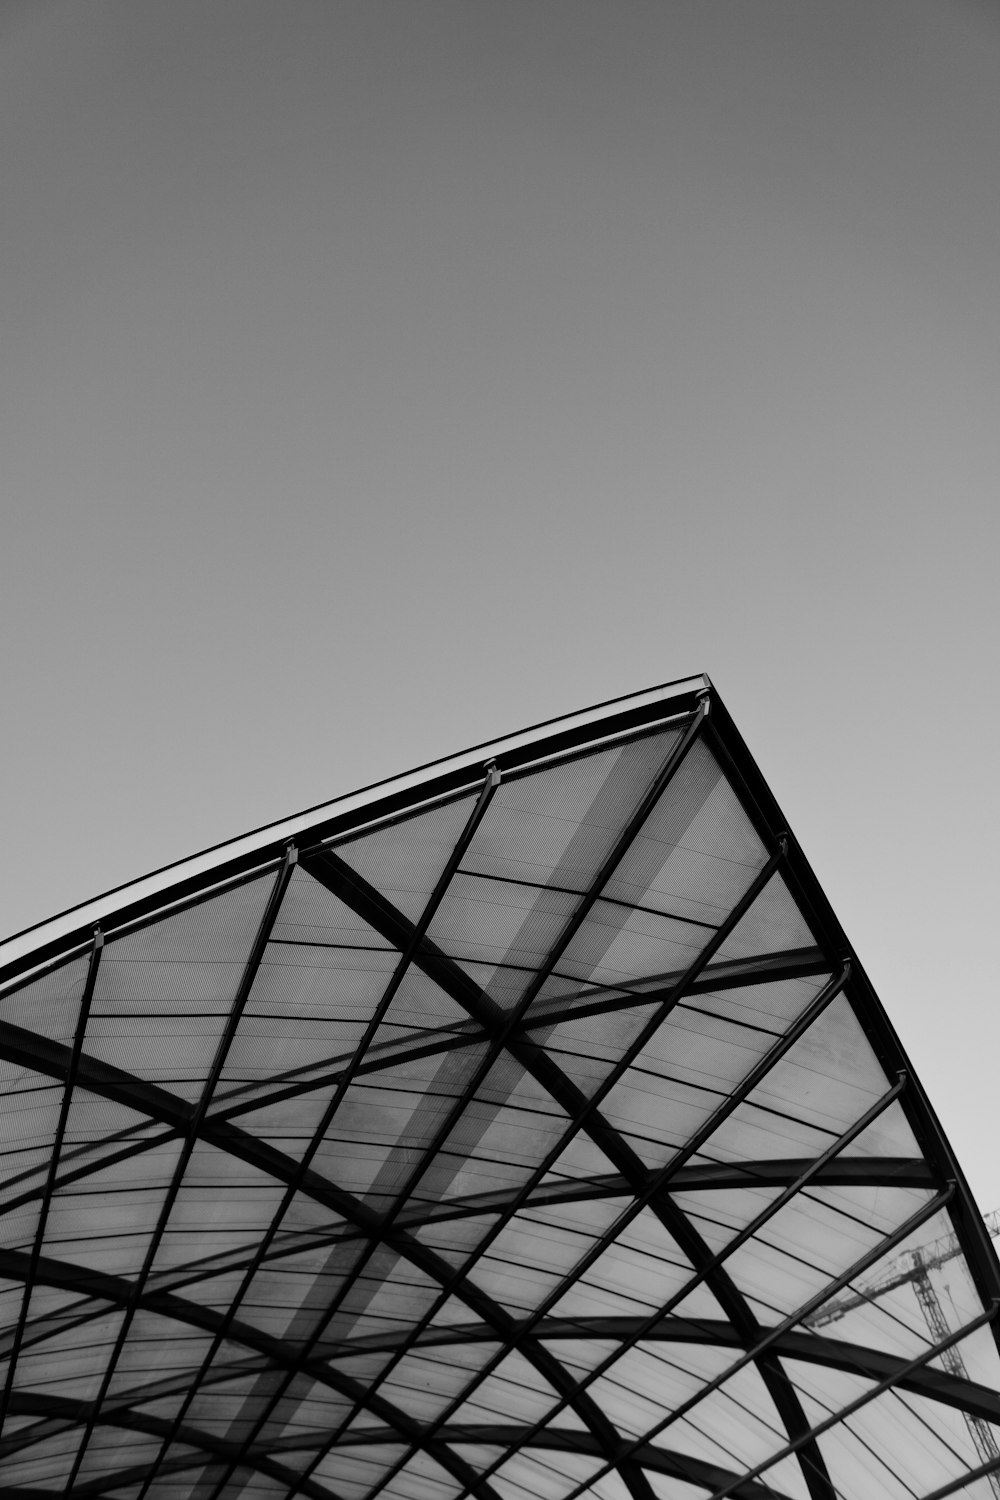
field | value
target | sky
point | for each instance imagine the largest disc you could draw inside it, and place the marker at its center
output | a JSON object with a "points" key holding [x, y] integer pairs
{"points": [[379, 378]]}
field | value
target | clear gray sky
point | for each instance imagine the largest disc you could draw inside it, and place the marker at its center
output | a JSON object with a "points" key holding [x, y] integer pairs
{"points": [[377, 378]]}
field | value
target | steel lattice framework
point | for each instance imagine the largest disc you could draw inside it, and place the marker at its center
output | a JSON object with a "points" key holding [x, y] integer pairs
{"points": [[501, 1131]]}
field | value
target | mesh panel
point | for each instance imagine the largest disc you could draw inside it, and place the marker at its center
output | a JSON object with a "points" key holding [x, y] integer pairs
{"points": [[557, 826], [49, 1005], [697, 852], [163, 994], [405, 860]]}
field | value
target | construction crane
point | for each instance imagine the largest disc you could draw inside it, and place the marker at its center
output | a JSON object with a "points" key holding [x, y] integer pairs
{"points": [[915, 1267]]}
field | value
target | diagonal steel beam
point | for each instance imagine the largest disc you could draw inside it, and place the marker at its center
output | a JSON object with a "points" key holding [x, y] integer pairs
{"points": [[503, 1027], [190, 1141], [583, 1110], [887, 1383], [761, 806], [300, 1174], [580, 1108], [677, 1465], [83, 1016], [835, 1354], [206, 1443], [992, 1466], [336, 874], [770, 1336], [27, 1049], [584, 1113], [709, 1270], [278, 1354]]}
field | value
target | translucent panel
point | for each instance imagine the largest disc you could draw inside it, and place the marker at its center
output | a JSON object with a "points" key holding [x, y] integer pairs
{"points": [[503, 1130], [890, 1135], [773, 924], [280, 1287], [825, 1082], [158, 1348], [310, 1008], [29, 1112], [352, 1472], [612, 1487], [737, 1426], [488, 921], [455, 1239], [589, 1046], [453, 1313], [697, 852], [359, 1369], [720, 1215], [641, 1388], [111, 1449], [390, 1295], [231, 1409], [405, 860], [424, 1384], [49, 1310], [313, 916], [289, 1123], [421, 1478], [981, 1489], [223, 1204], [178, 1476], [641, 1272], [19, 1227], [558, 826], [884, 1445], [881, 1307], [98, 1127], [45, 1465], [581, 1159], [163, 993], [49, 1005], [830, 1075], [584, 1221], [388, 1119], [526, 1262], [668, 1488], [618, 946], [802, 1249], [580, 1357], [685, 1072], [478, 1456], [513, 1392], [539, 1475], [770, 1006], [107, 1219], [421, 1017], [74, 1365]]}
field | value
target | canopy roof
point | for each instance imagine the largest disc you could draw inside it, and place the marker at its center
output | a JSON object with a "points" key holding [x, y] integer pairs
{"points": [[524, 1127]]}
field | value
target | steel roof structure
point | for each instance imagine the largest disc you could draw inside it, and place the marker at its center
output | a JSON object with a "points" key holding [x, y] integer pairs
{"points": [[522, 1129]]}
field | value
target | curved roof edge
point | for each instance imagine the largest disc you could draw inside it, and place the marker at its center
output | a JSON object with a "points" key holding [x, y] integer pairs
{"points": [[53, 937]]}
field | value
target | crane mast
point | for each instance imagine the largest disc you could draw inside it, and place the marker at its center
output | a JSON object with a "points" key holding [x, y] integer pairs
{"points": [[915, 1267]]}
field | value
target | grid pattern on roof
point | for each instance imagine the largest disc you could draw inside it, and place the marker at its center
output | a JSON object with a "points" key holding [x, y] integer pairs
{"points": [[545, 1141]]}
